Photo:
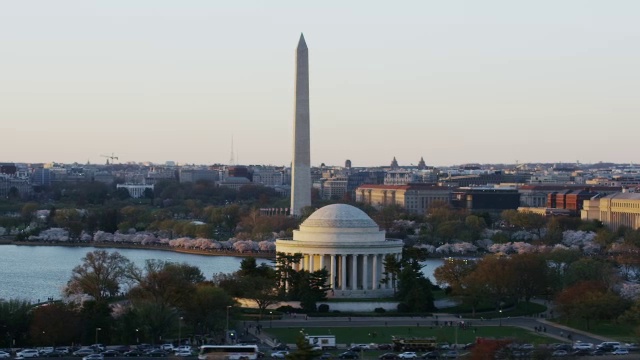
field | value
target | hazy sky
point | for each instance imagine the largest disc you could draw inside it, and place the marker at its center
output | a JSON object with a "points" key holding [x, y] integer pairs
{"points": [[453, 81]]}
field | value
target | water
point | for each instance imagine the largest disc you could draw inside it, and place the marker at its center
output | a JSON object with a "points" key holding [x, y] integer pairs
{"points": [[36, 273]]}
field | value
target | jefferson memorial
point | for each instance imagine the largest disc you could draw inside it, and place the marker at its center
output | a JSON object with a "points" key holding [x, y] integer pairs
{"points": [[349, 244]]}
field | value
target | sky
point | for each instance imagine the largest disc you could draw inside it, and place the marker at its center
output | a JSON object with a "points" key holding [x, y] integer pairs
{"points": [[451, 81]]}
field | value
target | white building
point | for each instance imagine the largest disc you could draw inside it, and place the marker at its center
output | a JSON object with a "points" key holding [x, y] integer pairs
{"points": [[350, 245], [135, 191]]}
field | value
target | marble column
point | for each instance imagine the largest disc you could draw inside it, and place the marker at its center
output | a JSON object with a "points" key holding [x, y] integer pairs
{"points": [[354, 272], [343, 272], [332, 272], [365, 272], [312, 263], [374, 272]]}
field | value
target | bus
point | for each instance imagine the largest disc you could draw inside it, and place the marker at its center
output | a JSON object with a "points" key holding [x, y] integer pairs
{"points": [[228, 352]]}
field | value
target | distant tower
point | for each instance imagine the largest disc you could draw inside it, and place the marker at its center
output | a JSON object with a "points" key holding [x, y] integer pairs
{"points": [[422, 165], [394, 163], [232, 159], [347, 164], [301, 168]]}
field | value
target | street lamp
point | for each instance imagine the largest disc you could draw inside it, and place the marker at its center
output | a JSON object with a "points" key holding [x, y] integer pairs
{"points": [[180, 331], [97, 329], [270, 319], [500, 317], [137, 337], [227, 328]]}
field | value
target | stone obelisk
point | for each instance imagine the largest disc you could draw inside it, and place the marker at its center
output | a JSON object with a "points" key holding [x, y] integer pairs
{"points": [[301, 165]]}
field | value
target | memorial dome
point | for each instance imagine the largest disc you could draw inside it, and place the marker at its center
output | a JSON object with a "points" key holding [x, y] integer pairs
{"points": [[339, 216]]}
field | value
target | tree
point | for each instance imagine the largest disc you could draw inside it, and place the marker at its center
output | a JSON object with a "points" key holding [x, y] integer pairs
{"points": [[453, 271], [56, 323], [285, 273], [164, 282], [206, 309], [392, 268], [587, 269], [531, 271], [304, 350], [100, 275], [590, 300]]}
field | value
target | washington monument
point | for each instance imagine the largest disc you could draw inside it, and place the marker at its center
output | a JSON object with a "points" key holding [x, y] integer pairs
{"points": [[301, 168]]}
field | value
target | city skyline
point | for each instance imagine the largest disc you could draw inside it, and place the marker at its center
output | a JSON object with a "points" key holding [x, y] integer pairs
{"points": [[455, 83]]}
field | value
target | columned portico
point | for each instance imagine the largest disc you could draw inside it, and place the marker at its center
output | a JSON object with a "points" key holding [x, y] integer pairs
{"points": [[346, 242]]}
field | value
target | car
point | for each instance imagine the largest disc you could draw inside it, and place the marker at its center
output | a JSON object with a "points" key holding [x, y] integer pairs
{"points": [[4, 355], [98, 347], [183, 353], [349, 355], [582, 345], [279, 354], [280, 347], [388, 356], [110, 353], [407, 355], [598, 353], [451, 354], [384, 347], [65, 350], [560, 353], [93, 357], [632, 346], [132, 353], [122, 349], [83, 352], [54, 353], [527, 347], [156, 353], [261, 355], [183, 348], [45, 350], [326, 356], [166, 347], [431, 355], [28, 353], [620, 351], [581, 352]]}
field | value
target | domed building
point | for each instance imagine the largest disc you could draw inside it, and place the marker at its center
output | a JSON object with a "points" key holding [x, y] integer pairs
{"points": [[349, 244]]}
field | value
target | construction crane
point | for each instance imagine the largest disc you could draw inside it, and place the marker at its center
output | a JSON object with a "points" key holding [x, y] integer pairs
{"points": [[112, 157]]}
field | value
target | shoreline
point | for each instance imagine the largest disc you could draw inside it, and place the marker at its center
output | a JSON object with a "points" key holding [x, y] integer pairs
{"points": [[142, 247]]}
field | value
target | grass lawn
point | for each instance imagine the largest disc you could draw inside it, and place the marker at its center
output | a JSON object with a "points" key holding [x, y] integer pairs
{"points": [[382, 334], [620, 332], [520, 309]]}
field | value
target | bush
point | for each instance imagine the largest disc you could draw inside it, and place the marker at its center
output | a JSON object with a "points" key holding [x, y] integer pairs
{"points": [[288, 309], [323, 308], [379, 310], [404, 307]]}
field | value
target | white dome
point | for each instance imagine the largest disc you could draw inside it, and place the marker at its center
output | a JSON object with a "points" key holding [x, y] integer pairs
{"points": [[339, 216]]}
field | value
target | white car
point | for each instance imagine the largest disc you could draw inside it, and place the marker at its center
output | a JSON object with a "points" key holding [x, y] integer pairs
{"points": [[620, 351], [408, 355], [279, 354], [28, 353], [582, 346], [4, 355], [183, 348], [182, 353]]}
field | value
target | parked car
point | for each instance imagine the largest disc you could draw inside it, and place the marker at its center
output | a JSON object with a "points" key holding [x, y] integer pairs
{"points": [[581, 352], [183, 348], [156, 353], [4, 355], [132, 353], [98, 347], [451, 354], [166, 347], [407, 355], [384, 347], [83, 352], [388, 356], [93, 357], [560, 353], [110, 353], [349, 355], [279, 354], [54, 353], [632, 346], [326, 356], [183, 353], [431, 355], [28, 353], [620, 351], [65, 350]]}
